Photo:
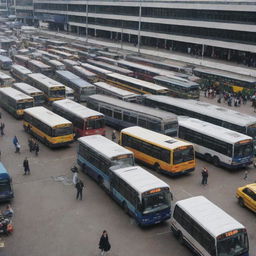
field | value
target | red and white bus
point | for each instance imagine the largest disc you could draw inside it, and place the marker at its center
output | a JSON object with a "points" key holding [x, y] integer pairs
{"points": [[85, 120]]}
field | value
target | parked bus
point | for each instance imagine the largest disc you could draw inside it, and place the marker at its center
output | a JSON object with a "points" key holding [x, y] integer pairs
{"points": [[36, 94], [101, 72], [52, 89], [110, 90], [49, 55], [112, 55], [141, 194], [50, 128], [221, 116], [135, 85], [107, 60], [55, 64], [207, 229], [82, 89], [165, 154], [14, 101], [217, 144], [69, 93], [20, 72], [39, 67], [85, 120], [121, 114], [5, 62], [70, 64], [85, 74], [6, 190], [21, 60], [62, 54], [110, 67], [179, 87], [5, 80]]}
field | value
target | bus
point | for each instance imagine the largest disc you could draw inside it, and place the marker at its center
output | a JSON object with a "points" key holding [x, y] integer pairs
{"points": [[55, 64], [49, 55], [216, 144], [220, 116], [110, 67], [69, 93], [82, 89], [100, 72], [225, 78], [39, 67], [85, 74], [207, 229], [50, 128], [21, 60], [85, 120], [110, 90], [52, 89], [112, 55], [165, 154], [141, 194], [107, 60], [62, 54], [179, 87], [6, 190], [70, 64], [37, 95], [135, 85], [5, 80], [14, 101], [122, 114], [20, 72], [5, 62]]}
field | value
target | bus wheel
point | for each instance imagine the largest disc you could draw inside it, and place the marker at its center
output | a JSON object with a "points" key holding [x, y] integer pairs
{"points": [[180, 237], [125, 207], [157, 167], [216, 161], [208, 157], [241, 202]]}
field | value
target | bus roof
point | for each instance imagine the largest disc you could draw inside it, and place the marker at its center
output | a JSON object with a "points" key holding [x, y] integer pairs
{"points": [[56, 63], [39, 64], [3, 172], [21, 69], [24, 57], [213, 130], [206, 109], [4, 76], [15, 94], [158, 138], [97, 69], [105, 146], [140, 179], [26, 88], [141, 83], [116, 90], [84, 71], [208, 215], [46, 116], [5, 58], [77, 109], [70, 62], [47, 81], [177, 81], [133, 107]]}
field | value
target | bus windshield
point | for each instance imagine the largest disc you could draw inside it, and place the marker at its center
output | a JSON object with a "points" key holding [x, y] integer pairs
{"points": [[243, 150], [155, 202], [95, 123], [62, 131], [123, 161], [233, 246], [251, 131], [24, 105], [58, 93], [183, 154]]}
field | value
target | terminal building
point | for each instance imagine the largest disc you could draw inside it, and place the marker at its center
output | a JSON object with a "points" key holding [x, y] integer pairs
{"points": [[213, 28]]}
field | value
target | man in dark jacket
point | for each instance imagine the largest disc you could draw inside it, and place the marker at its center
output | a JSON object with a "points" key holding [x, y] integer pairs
{"points": [[104, 244], [79, 189], [26, 166]]}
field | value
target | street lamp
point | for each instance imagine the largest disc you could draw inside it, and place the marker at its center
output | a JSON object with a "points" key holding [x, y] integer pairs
{"points": [[139, 28], [87, 21]]}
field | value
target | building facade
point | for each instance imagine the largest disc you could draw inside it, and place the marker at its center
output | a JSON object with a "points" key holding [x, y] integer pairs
{"points": [[213, 28]]}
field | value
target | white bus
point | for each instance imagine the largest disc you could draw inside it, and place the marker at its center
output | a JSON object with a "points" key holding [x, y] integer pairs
{"points": [[5, 80], [217, 144], [20, 72], [38, 95], [55, 64], [39, 67], [207, 229], [110, 90], [69, 93], [85, 74]]}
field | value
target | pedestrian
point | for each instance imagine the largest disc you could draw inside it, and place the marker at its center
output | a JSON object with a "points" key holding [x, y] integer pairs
{"points": [[2, 126], [15, 141], [104, 244], [79, 189], [204, 176], [17, 148], [75, 177], [30, 144], [26, 166], [113, 135], [36, 148], [245, 175]]}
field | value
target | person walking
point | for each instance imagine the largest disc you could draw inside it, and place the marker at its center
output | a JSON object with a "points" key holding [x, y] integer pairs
{"points": [[36, 148], [15, 141], [30, 144], [26, 166], [79, 188], [204, 176], [114, 135], [104, 244], [2, 126]]}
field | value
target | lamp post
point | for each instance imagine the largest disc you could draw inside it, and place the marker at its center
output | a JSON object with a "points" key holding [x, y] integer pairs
{"points": [[87, 21], [139, 38]]}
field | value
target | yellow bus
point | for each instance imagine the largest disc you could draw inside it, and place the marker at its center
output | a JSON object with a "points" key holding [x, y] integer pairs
{"points": [[165, 154], [52, 129], [15, 101]]}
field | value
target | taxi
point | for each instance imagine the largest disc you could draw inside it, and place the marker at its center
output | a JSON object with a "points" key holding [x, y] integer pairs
{"points": [[246, 196]]}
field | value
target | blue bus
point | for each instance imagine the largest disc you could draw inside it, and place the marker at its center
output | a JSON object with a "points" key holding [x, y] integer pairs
{"points": [[5, 62], [142, 195], [6, 191]]}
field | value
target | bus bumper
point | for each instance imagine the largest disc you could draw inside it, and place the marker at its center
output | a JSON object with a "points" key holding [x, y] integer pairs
{"points": [[174, 174], [152, 220]]}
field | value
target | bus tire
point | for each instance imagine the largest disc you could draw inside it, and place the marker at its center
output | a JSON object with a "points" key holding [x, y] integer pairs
{"points": [[241, 202], [216, 161], [208, 157], [157, 167], [180, 237]]}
